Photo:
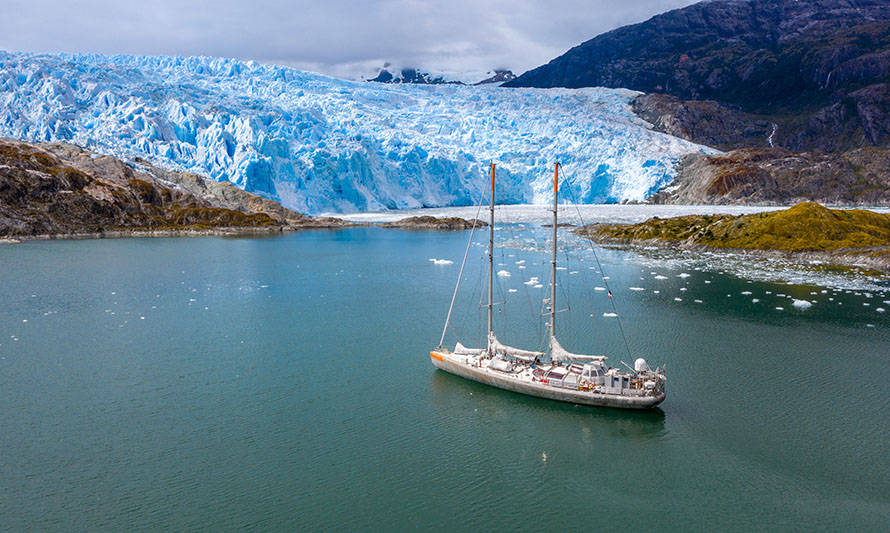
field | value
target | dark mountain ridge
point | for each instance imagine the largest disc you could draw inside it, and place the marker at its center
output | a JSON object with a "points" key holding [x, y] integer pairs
{"points": [[819, 70], [736, 52], [798, 92]]}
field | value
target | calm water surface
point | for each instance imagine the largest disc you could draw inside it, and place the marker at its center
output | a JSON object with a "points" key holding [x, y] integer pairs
{"points": [[285, 383]]}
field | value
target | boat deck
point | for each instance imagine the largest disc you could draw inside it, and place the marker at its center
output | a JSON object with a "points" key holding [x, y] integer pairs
{"points": [[537, 382]]}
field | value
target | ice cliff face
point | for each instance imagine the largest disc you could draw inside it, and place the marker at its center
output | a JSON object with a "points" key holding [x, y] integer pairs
{"points": [[317, 143]]}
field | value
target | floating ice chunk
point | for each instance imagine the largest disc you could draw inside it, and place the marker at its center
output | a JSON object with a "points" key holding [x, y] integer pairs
{"points": [[561, 268], [660, 277], [683, 275], [656, 292], [682, 289], [609, 315], [503, 274], [707, 282], [538, 286], [599, 288], [866, 304], [520, 262], [755, 300], [637, 288], [780, 308], [521, 267], [573, 272], [678, 299], [746, 293], [879, 309], [697, 301], [606, 278], [443, 261], [867, 325], [511, 290], [24, 320], [803, 305]]}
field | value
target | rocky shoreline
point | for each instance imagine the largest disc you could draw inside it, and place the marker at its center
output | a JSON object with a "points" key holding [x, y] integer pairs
{"points": [[875, 260], [51, 191], [433, 223], [444, 224], [805, 234]]}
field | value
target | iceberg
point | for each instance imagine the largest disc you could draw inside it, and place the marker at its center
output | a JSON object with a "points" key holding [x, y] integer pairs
{"points": [[803, 305], [321, 144]]}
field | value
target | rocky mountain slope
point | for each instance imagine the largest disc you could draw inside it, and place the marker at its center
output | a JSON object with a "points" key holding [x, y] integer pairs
{"points": [[808, 76], [59, 189], [770, 176], [411, 75], [499, 76], [418, 77]]}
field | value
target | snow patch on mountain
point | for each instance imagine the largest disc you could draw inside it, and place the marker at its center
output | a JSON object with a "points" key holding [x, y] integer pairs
{"points": [[317, 143]]}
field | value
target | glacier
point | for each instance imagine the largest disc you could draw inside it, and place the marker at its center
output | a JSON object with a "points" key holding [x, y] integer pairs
{"points": [[317, 143]]}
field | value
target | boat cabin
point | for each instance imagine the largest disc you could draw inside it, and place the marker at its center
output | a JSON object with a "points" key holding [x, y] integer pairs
{"points": [[594, 372]]}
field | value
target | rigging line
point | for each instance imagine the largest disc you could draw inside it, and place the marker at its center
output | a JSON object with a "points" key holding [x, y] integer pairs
{"points": [[462, 264], [600, 267], [459, 335]]}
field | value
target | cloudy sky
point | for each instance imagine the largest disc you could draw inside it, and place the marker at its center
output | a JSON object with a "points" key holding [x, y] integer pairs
{"points": [[460, 38]]}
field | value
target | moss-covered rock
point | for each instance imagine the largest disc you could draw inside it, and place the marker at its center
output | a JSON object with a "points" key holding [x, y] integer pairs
{"points": [[59, 190], [806, 227]]}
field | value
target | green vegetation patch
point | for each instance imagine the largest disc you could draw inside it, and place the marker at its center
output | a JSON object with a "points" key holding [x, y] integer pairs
{"points": [[805, 227]]}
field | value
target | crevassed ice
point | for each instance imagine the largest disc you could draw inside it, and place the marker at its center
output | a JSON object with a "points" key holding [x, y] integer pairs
{"points": [[317, 143]]}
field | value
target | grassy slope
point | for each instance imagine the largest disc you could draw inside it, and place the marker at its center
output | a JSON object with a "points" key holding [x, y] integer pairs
{"points": [[804, 227]]}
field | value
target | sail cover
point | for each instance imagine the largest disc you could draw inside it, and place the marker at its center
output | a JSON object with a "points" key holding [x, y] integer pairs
{"points": [[558, 353], [524, 355], [460, 349]]}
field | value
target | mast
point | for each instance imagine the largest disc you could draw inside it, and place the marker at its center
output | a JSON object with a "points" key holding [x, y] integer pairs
{"points": [[553, 260], [491, 258]]}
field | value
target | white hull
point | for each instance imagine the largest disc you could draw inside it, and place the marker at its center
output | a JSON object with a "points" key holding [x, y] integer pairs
{"points": [[455, 364]]}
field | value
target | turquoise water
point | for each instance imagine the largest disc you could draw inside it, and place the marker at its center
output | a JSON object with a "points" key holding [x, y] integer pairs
{"points": [[284, 383]]}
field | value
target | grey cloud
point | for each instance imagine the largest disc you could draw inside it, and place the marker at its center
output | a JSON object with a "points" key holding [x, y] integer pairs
{"points": [[338, 37]]}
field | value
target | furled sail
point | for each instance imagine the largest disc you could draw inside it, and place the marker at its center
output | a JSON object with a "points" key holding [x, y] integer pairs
{"points": [[460, 349], [558, 353], [524, 355]]}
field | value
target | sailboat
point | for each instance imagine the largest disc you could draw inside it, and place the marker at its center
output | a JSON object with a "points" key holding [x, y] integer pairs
{"points": [[556, 374]]}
